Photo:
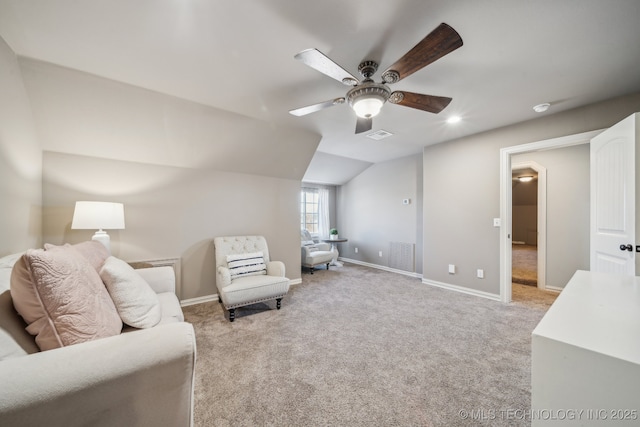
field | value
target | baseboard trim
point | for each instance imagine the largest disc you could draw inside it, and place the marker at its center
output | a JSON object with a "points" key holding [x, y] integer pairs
{"points": [[198, 300], [381, 267], [214, 297], [461, 289]]}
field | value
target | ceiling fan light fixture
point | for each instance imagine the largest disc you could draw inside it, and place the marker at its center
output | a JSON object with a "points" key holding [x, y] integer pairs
{"points": [[368, 98], [367, 107]]}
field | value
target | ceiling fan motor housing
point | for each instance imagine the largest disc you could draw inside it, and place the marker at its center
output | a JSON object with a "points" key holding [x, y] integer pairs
{"points": [[367, 68]]}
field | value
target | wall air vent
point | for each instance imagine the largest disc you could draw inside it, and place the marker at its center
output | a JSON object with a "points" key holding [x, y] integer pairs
{"points": [[379, 134]]}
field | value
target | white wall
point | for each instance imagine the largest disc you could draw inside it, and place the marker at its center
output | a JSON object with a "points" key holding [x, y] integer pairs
{"points": [[371, 213], [462, 191], [20, 162]]}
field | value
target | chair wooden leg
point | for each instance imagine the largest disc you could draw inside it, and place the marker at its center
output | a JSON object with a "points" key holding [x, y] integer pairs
{"points": [[278, 303], [232, 314]]}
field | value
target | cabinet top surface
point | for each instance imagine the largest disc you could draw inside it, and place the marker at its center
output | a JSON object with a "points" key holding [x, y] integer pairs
{"points": [[598, 312]]}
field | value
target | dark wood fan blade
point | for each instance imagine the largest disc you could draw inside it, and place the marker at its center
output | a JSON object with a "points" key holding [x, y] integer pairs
{"points": [[303, 111], [364, 125], [430, 103], [321, 62], [435, 45]]}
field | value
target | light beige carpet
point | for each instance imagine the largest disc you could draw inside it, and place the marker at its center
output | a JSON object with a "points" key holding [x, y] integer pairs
{"points": [[362, 347], [524, 264], [531, 296]]}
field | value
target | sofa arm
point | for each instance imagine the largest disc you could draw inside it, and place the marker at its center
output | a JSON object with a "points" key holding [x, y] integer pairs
{"points": [[275, 268], [161, 279], [139, 378]]}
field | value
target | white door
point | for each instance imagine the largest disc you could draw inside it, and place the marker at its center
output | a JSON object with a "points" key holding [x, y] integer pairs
{"points": [[613, 199]]}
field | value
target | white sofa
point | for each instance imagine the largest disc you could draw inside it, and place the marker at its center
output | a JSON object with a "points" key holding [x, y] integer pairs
{"points": [[140, 377]]}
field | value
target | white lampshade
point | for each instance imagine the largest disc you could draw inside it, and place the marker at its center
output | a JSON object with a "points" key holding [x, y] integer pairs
{"points": [[98, 215]]}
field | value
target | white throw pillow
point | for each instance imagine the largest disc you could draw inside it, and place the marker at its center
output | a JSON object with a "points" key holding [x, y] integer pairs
{"points": [[137, 304], [247, 264]]}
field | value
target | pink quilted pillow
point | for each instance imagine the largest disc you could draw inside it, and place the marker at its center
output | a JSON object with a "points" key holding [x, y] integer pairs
{"points": [[93, 251], [62, 298]]}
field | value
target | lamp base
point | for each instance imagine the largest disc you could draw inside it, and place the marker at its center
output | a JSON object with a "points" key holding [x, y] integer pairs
{"points": [[102, 237]]}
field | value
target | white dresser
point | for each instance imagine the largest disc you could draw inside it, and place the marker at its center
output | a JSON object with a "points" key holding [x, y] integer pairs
{"points": [[585, 361]]}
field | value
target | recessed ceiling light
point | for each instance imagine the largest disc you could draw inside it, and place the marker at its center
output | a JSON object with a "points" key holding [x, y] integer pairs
{"points": [[453, 119], [541, 108]]}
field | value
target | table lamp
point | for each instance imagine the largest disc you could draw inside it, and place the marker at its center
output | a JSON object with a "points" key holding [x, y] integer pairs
{"points": [[98, 215]]}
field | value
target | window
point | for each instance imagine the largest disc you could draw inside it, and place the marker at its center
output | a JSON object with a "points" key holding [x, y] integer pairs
{"points": [[309, 210]]}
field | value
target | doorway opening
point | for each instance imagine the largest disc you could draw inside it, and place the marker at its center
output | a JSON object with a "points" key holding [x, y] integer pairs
{"points": [[506, 202], [528, 223]]}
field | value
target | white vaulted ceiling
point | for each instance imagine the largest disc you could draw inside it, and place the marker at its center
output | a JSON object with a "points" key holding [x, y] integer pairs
{"points": [[238, 56]]}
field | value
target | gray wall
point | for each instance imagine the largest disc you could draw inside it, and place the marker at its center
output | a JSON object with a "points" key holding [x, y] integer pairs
{"points": [[84, 114], [567, 210], [371, 213], [20, 162], [173, 212], [185, 172], [462, 191], [524, 211]]}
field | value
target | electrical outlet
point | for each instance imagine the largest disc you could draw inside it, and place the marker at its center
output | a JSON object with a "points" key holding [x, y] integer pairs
{"points": [[452, 269], [380, 254], [356, 250], [480, 273]]}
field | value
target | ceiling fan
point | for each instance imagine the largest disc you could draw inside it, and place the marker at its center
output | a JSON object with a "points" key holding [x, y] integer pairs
{"points": [[367, 97]]}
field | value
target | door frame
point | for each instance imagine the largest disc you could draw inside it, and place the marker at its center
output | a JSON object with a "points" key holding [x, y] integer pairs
{"points": [[541, 263], [506, 200]]}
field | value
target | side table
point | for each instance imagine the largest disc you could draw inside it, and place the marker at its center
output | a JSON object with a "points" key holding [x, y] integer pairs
{"points": [[334, 249]]}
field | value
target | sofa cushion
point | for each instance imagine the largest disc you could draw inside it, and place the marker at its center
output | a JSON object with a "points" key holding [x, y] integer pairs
{"points": [[136, 302], [62, 298], [247, 264], [254, 289]]}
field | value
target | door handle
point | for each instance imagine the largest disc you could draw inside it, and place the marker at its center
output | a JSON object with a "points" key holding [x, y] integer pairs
{"points": [[626, 248]]}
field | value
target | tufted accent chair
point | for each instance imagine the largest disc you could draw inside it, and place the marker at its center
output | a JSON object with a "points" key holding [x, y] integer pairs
{"points": [[237, 291], [314, 253]]}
